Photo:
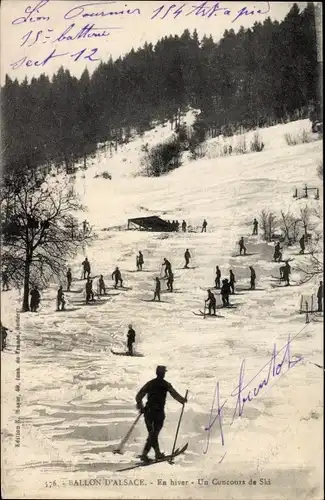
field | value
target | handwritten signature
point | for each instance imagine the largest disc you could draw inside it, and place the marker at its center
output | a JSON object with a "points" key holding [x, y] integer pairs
{"points": [[206, 10], [275, 369]]}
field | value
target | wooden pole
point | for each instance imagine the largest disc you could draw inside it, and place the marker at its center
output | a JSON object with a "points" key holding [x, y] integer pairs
{"points": [[119, 449], [178, 426]]}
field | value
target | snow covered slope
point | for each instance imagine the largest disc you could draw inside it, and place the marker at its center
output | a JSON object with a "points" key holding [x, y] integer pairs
{"points": [[78, 398]]}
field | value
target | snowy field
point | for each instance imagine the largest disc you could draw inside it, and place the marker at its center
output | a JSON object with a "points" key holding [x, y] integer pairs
{"points": [[77, 398]]}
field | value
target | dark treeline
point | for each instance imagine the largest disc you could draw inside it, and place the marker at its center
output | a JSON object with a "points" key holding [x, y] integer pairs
{"points": [[259, 76]]}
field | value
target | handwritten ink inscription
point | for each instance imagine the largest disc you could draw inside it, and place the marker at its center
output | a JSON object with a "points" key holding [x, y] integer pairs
{"points": [[206, 10], [39, 14], [275, 368], [86, 54]]}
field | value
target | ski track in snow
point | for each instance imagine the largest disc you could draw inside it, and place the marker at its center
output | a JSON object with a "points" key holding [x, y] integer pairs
{"points": [[78, 398]]}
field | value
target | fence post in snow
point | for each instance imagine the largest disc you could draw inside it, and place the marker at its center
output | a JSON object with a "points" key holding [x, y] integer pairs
{"points": [[312, 303], [307, 315], [301, 301]]}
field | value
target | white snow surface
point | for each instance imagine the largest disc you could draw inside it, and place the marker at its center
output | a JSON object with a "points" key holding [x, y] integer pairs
{"points": [[78, 399]]}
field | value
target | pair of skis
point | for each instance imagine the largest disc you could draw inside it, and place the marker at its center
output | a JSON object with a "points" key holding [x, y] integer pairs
{"points": [[167, 458]]}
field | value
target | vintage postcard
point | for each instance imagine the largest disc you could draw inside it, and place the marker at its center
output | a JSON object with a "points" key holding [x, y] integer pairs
{"points": [[161, 250]]}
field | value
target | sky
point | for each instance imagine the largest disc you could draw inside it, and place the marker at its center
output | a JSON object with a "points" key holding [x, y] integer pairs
{"points": [[42, 35]]}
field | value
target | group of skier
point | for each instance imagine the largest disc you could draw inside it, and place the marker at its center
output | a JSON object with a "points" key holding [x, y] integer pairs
{"points": [[232, 279]]}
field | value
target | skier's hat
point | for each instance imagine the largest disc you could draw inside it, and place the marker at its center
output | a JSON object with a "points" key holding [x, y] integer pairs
{"points": [[161, 369]]}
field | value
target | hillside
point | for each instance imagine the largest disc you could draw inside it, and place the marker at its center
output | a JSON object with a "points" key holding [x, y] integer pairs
{"points": [[78, 398]]}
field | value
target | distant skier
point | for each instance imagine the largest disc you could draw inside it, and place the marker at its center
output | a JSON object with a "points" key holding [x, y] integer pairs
{"points": [[225, 292], [140, 260], [302, 244], [286, 271], [116, 275], [320, 297], [60, 300], [130, 340], [86, 269], [168, 267], [177, 226], [255, 227], [85, 226], [242, 247], [253, 277], [204, 226], [5, 281], [4, 335], [170, 281], [218, 277], [89, 291], [69, 279], [187, 257], [232, 281], [101, 285], [157, 290], [154, 415], [211, 300], [35, 299], [277, 256], [184, 226]]}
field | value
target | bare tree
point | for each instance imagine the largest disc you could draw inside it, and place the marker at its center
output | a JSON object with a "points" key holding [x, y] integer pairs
{"points": [[41, 231], [290, 227], [268, 221], [305, 215], [312, 269]]}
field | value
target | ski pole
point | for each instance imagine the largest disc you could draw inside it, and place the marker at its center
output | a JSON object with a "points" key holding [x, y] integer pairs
{"points": [[178, 426], [119, 449]]}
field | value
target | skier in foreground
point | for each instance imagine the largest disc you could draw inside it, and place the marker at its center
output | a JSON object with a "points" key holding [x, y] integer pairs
{"points": [[154, 414]]}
